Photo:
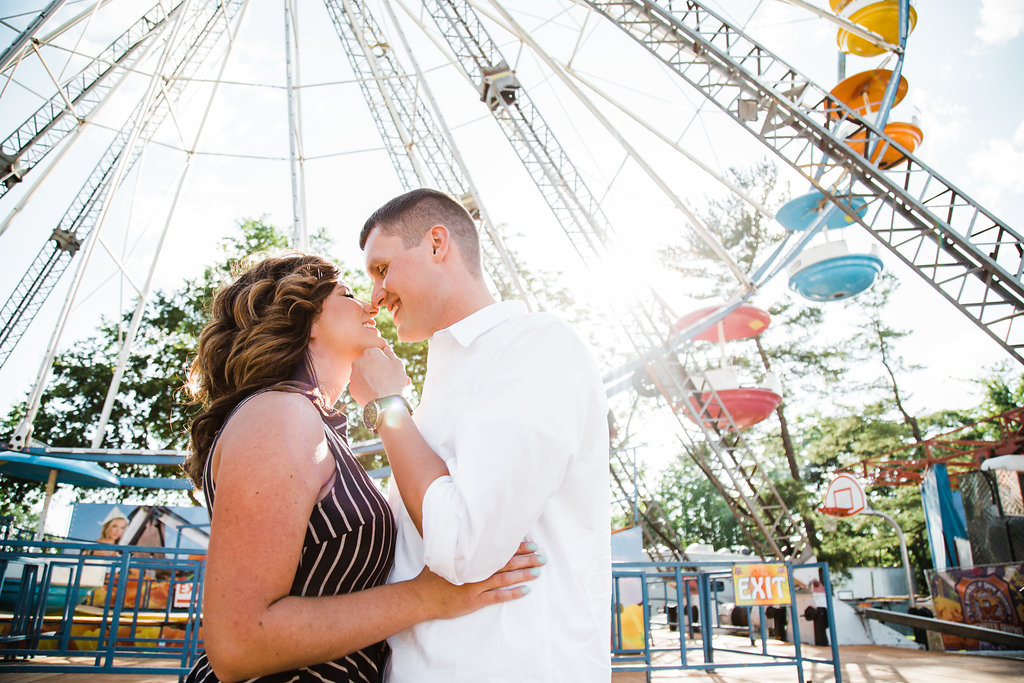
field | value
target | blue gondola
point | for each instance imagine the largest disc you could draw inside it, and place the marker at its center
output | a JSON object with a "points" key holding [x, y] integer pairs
{"points": [[800, 213], [829, 272]]}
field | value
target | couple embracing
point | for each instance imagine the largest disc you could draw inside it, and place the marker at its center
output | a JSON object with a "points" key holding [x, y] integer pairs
{"points": [[489, 561]]}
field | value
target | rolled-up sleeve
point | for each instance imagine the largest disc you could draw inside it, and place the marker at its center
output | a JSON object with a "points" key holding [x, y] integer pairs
{"points": [[513, 443]]}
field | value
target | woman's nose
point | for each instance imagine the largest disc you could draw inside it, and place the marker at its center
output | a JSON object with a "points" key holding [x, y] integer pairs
{"points": [[370, 308]]}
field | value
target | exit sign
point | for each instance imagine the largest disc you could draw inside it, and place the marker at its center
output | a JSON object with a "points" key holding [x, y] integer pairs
{"points": [[761, 584], [182, 595]]}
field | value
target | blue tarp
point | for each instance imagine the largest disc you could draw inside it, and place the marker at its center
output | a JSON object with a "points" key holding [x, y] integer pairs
{"points": [[944, 517]]}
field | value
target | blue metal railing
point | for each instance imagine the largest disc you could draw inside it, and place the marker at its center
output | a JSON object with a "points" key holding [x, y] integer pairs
{"points": [[694, 637], [58, 601]]}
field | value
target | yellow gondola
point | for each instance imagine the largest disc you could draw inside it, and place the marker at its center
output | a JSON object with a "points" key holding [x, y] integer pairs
{"points": [[881, 18]]}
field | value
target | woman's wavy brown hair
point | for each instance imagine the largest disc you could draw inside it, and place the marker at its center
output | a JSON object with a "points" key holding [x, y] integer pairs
{"points": [[257, 336]]}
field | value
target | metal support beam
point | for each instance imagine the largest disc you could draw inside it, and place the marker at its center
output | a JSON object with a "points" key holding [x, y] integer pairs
{"points": [[415, 133], [988, 635], [202, 29], [300, 230], [14, 50], [77, 98]]}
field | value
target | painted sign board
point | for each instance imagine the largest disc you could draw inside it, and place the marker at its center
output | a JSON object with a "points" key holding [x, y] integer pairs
{"points": [[761, 584]]}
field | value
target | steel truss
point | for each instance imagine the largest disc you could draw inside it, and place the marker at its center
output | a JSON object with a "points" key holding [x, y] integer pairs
{"points": [[78, 97], [421, 148], [906, 466], [969, 256], [660, 539], [202, 29]]}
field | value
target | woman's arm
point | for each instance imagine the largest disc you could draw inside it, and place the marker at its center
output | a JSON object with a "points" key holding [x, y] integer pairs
{"points": [[270, 465]]}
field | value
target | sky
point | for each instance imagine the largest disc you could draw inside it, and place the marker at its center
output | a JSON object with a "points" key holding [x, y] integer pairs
{"points": [[962, 62]]}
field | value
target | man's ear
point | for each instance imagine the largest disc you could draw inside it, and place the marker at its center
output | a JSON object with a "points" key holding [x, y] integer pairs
{"points": [[440, 242]]}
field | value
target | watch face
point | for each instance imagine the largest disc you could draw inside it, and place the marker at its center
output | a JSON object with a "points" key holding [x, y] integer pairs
{"points": [[373, 409], [370, 416]]}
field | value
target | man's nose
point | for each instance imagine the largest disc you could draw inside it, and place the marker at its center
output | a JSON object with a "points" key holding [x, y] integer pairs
{"points": [[377, 295]]}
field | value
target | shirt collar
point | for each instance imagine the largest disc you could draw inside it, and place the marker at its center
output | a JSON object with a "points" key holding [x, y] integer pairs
{"points": [[466, 331]]}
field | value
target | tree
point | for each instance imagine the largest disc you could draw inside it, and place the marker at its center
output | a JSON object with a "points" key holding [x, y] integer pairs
{"points": [[745, 233], [1004, 390], [696, 508], [875, 341]]}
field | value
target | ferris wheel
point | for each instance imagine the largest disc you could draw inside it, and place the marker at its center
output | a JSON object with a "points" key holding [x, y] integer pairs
{"points": [[107, 102]]}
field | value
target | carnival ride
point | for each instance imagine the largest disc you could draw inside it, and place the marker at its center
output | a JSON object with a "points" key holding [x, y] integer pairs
{"points": [[106, 87]]}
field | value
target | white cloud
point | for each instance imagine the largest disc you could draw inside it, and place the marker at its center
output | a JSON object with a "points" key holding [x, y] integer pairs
{"points": [[1018, 135], [1001, 21], [998, 166], [944, 121]]}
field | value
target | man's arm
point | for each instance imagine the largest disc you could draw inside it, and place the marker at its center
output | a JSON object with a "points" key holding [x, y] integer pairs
{"points": [[414, 464]]}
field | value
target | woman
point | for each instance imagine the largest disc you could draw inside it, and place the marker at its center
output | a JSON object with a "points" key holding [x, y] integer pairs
{"points": [[301, 541], [111, 533]]}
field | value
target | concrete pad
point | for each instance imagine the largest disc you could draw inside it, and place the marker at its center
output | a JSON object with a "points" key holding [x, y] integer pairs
{"points": [[858, 664]]}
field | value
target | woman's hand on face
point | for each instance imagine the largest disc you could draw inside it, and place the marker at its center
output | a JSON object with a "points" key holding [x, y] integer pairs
{"points": [[446, 601]]}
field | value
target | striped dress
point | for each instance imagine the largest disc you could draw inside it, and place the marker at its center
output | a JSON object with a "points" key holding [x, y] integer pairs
{"points": [[349, 546]]}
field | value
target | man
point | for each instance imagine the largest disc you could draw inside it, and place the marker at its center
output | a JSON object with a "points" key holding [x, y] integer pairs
{"points": [[509, 442]]}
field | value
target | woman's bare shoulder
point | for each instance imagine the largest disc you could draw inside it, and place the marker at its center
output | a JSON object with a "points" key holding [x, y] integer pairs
{"points": [[279, 422], [275, 409]]}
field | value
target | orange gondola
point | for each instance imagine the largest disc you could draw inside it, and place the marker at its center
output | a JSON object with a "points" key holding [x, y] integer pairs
{"points": [[864, 92], [907, 135]]}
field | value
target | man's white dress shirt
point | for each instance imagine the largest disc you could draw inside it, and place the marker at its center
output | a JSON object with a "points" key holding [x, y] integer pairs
{"points": [[514, 404]]}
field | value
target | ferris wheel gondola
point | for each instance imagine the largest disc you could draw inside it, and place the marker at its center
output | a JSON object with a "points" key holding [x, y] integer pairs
{"points": [[880, 18], [830, 270], [719, 398]]}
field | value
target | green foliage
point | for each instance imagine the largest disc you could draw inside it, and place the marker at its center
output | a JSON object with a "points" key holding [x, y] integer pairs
{"points": [[1004, 389], [696, 508]]}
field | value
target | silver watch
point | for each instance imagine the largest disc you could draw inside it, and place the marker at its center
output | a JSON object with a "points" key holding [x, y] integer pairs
{"points": [[373, 411]]}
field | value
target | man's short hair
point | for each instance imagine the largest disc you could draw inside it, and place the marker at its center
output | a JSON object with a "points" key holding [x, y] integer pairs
{"points": [[412, 214]]}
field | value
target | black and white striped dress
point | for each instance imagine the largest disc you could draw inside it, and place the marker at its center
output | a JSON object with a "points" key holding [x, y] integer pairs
{"points": [[349, 546]]}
